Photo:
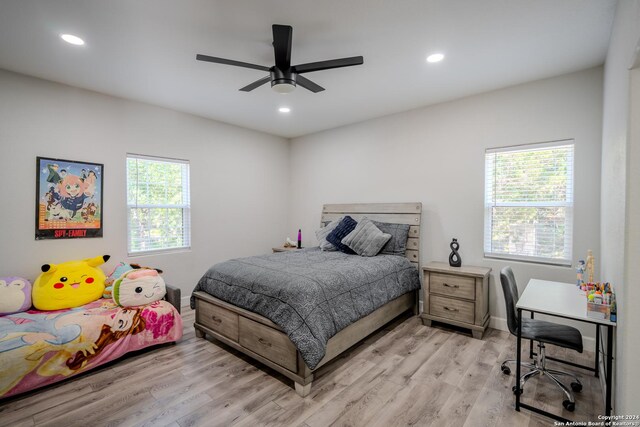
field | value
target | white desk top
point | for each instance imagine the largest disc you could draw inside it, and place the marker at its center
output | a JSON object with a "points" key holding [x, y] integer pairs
{"points": [[563, 299]]}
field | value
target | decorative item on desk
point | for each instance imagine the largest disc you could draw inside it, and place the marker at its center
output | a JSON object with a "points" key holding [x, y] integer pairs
{"points": [[299, 238], [601, 301], [580, 272], [454, 257], [289, 243], [590, 265], [613, 316], [597, 297]]}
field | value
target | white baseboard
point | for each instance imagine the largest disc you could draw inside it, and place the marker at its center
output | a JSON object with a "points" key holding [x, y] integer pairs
{"points": [[500, 324]]}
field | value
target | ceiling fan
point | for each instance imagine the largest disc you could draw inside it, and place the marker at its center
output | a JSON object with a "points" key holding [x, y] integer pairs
{"points": [[283, 76]]}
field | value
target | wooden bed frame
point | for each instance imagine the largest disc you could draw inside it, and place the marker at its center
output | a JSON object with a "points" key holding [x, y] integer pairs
{"points": [[263, 340]]}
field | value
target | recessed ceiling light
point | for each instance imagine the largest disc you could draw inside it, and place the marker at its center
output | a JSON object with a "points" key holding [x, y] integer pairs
{"points": [[435, 57], [284, 109], [70, 38]]}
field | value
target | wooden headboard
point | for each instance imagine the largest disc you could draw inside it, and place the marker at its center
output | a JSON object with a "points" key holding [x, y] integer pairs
{"points": [[396, 213]]}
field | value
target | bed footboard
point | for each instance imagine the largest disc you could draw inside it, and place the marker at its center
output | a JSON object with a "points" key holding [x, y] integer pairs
{"points": [[263, 340]]}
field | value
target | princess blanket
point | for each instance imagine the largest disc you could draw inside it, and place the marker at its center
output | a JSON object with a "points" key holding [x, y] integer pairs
{"points": [[39, 348]]}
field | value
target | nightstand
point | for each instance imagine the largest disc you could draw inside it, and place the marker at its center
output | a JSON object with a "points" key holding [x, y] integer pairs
{"points": [[283, 249], [456, 295]]}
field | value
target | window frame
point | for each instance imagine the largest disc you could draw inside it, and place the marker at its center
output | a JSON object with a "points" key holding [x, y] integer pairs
{"points": [[186, 207], [568, 204]]}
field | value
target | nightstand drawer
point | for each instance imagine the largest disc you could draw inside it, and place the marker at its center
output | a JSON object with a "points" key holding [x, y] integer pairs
{"points": [[454, 286], [219, 319], [450, 308]]}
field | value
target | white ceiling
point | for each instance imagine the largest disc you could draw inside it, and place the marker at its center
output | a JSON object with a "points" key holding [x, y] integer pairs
{"points": [[145, 50]]}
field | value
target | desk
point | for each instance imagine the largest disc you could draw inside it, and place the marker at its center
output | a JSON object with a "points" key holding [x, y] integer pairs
{"points": [[566, 301]]}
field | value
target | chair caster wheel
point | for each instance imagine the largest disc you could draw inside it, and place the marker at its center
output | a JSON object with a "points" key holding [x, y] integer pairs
{"points": [[568, 405], [577, 387], [506, 370], [515, 391]]}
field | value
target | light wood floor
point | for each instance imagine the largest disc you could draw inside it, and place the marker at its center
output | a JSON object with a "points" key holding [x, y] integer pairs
{"points": [[404, 374]]}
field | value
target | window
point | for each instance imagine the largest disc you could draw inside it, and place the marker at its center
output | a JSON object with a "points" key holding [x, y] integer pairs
{"points": [[529, 202], [158, 204]]}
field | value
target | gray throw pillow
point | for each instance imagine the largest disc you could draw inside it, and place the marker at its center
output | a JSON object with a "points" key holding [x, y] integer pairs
{"points": [[366, 239], [397, 245], [322, 234]]}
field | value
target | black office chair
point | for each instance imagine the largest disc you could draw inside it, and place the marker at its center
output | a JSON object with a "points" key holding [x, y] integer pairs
{"points": [[542, 332]]}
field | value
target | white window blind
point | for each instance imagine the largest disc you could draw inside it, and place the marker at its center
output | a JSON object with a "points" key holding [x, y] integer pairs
{"points": [[158, 204], [529, 202]]}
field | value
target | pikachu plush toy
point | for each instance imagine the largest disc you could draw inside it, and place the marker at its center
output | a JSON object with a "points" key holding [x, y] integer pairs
{"points": [[70, 284]]}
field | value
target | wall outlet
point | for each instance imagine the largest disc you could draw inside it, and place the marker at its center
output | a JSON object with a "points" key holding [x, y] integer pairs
{"points": [[421, 306]]}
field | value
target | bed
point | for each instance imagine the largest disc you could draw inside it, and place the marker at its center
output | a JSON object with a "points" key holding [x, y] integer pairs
{"points": [[296, 311], [38, 348]]}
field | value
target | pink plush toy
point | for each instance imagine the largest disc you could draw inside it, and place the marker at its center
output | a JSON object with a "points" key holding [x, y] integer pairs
{"points": [[15, 295]]}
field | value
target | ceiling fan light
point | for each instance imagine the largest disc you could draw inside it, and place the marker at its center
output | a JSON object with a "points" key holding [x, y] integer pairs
{"points": [[283, 87]]}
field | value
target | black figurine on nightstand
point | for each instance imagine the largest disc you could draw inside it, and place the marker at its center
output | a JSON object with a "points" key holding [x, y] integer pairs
{"points": [[454, 257]]}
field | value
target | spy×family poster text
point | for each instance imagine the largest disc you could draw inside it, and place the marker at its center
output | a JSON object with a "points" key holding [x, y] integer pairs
{"points": [[68, 199]]}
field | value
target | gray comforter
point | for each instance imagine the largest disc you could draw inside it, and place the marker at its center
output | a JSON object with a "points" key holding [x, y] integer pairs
{"points": [[310, 294]]}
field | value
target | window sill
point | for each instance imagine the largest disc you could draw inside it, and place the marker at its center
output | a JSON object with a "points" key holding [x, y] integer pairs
{"points": [[529, 260], [159, 252]]}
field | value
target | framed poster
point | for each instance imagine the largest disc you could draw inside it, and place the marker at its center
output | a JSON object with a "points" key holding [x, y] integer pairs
{"points": [[68, 199]]}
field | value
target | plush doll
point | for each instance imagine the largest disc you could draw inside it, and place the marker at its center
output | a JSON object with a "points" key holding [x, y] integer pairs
{"points": [[70, 284], [15, 295], [138, 287], [117, 272]]}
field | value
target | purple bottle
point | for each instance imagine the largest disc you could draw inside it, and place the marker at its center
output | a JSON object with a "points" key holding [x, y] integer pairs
{"points": [[299, 238]]}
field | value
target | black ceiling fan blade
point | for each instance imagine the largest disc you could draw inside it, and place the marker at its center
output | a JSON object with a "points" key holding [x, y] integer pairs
{"points": [[230, 62], [282, 35], [308, 84], [326, 65], [257, 83]]}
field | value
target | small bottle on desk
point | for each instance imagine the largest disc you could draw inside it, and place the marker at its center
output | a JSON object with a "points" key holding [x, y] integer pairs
{"points": [[613, 315], [299, 238]]}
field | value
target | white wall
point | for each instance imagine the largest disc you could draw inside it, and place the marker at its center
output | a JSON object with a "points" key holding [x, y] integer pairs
{"points": [[239, 178], [628, 343], [620, 203], [614, 138], [435, 155]]}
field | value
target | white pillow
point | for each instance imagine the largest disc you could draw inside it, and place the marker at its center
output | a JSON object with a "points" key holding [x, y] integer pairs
{"points": [[322, 234]]}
